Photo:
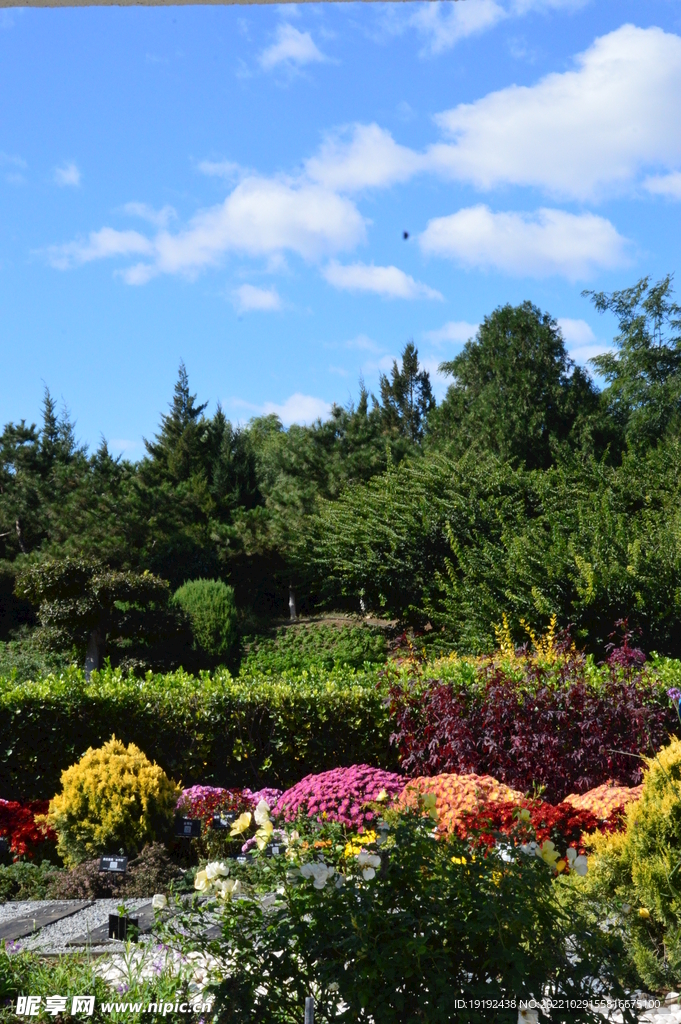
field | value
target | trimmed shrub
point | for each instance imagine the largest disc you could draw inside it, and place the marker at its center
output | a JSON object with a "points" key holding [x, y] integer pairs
{"points": [[213, 729], [211, 608], [112, 798], [339, 795]]}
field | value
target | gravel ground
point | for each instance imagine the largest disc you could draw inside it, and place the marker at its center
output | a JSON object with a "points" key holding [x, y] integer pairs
{"points": [[53, 938]]}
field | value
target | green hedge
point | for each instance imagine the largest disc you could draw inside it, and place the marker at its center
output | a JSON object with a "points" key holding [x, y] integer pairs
{"points": [[212, 729]]}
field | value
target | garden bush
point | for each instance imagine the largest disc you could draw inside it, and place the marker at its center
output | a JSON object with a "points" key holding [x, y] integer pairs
{"points": [[211, 608], [456, 795], [638, 869], [605, 800], [297, 647], [114, 797], [394, 925], [339, 795], [25, 880], [211, 729], [561, 727]]}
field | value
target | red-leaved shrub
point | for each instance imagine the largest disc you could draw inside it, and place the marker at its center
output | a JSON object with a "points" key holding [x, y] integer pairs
{"points": [[553, 730]]}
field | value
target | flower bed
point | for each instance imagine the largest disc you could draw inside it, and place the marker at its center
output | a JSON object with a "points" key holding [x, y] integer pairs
{"points": [[339, 795], [25, 835]]}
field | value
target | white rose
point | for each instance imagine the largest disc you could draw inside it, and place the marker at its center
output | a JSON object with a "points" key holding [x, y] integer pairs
{"points": [[216, 869], [159, 901], [201, 881], [262, 813]]}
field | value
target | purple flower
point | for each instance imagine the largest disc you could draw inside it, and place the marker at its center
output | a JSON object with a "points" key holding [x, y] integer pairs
{"points": [[674, 695], [341, 794]]}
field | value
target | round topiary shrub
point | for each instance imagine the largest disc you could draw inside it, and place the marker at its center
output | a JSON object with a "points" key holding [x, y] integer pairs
{"points": [[339, 795], [211, 608], [113, 798]]}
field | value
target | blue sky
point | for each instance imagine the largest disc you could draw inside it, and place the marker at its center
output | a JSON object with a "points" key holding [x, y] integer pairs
{"points": [[230, 186]]}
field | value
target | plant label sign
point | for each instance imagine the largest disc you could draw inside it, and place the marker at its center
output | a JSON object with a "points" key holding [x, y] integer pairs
{"points": [[223, 820], [123, 928], [188, 828], [117, 865]]}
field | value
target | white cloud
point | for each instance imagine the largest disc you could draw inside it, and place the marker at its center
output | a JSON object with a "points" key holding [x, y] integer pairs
{"points": [[119, 444], [291, 47], [248, 298], [390, 282], [537, 245], [364, 344], [67, 174], [458, 331], [444, 25], [299, 409], [160, 218], [221, 169], [576, 133], [361, 156], [576, 333], [520, 7], [99, 245], [668, 185], [260, 217]]}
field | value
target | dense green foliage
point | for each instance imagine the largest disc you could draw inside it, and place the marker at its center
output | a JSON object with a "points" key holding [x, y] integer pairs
{"points": [[637, 871], [426, 931], [527, 491], [210, 606], [294, 648], [217, 730]]}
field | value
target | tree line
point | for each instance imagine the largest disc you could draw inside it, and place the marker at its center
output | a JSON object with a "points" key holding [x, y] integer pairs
{"points": [[527, 491]]}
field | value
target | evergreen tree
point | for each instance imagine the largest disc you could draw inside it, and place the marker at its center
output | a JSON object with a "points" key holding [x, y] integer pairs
{"points": [[516, 392], [644, 380], [407, 396]]}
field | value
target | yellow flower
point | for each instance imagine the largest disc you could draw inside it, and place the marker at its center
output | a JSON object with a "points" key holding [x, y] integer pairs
{"points": [[560, 866], [645, 914], [241, 824], [496, 877], [262, 836], [458, 860], [357, 843], [524, 814], [382, 796], [548, 853]]}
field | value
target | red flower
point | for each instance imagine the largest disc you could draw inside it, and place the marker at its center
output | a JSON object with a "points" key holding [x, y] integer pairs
{"points": [[18, 825]]}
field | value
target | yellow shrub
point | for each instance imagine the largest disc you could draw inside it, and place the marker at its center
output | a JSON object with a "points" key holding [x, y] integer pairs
{"points": [[113, 798], [639, 871]]}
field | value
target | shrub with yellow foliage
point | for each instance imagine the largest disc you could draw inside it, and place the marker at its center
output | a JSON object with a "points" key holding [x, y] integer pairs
{"points": [[638, 872], [113, 798]]}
